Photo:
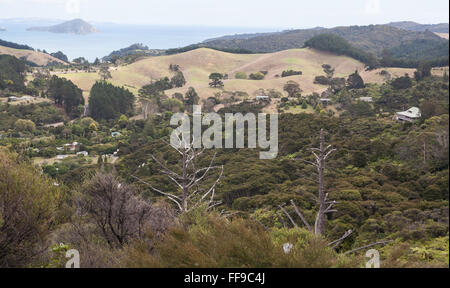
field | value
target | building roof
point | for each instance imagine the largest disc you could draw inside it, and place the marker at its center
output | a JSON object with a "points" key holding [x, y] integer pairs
{"points": [[413, 112], [366, 99]]}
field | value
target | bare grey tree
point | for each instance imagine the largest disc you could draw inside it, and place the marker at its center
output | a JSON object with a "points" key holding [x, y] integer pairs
{"points": [[325, 206], [189, 179]]}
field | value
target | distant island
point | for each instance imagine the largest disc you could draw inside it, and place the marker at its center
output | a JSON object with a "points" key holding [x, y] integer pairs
{"points": [[76, 26], [2, 29]]}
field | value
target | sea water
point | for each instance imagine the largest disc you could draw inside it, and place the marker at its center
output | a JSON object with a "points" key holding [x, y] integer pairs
{"points": [[114, 37]]}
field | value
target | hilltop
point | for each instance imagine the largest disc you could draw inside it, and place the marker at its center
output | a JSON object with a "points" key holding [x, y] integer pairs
{"points": [[76, 26], [414, 26], [373, 39]]}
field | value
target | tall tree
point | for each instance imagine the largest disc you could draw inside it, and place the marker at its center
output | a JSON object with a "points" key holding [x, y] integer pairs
{"points": [[105, 73], [292, 88], [355, 81], [216, 80]]}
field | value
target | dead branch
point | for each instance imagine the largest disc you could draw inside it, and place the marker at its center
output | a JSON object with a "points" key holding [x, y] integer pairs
{"points": [[339, 241], [301, 217], [368, 246], [289, 216]]}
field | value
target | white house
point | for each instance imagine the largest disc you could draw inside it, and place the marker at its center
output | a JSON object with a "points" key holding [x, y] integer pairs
{"points": [[61, 157], [116, 134], [72, 146], [263, 98], [83, 153], [410, 115], [366, 99]]}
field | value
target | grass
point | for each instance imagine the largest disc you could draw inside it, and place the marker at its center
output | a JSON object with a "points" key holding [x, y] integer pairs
{"points": [[198, 64], [39, 58]]}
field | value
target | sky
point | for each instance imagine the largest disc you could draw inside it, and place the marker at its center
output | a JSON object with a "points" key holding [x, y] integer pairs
{"points": [[285, 14]]}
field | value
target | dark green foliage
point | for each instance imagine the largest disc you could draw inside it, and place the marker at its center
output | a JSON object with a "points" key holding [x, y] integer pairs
{"points": [[61, 56], [410, 54], [174, 51], [423, 71], [109, 102], [409, 47], [191, 97], [256, 76], [14, 45], [288, 73], [24, 229], [156, 87], [336, 44], [11, 73], [178, 80], [40, 114], [355, 81], [66, 94], [132, 52], [292, 88], [403, 82], [216, 80]]}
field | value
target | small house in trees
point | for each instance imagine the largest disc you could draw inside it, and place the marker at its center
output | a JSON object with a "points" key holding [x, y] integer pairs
{"points": [[61, 157], [72, 146], [366, 99], [409, 115], [262, 98], [116, 134]]}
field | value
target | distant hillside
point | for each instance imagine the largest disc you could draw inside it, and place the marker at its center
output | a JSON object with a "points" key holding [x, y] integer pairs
{"points": [[76, 26], [14, 45], [413, 26], [373, 38], [2, 29], [38, 58], [135, 49]]}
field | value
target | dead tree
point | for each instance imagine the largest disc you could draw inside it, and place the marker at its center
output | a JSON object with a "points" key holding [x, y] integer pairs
{"points": [[192, 191], [325, 206]]}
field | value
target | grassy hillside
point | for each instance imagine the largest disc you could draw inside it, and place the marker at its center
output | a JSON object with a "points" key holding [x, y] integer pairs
{"points": [[39, 58], [198, 64]]}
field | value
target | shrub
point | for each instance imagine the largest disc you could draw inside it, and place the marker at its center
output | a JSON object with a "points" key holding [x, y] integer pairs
{"points": [[257, 76], [212, 241], [240, 75], [28, 205]]}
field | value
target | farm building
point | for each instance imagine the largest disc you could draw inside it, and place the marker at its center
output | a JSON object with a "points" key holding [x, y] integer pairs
{"points": [[366, 99], [410, 115], [263, 98], [83, 153]]}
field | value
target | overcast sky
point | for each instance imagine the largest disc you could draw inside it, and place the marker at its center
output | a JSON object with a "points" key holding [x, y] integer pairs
{"points": [[242, 13]]}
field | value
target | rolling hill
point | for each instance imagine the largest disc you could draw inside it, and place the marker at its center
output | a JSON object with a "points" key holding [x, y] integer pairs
{"points": [[198, 64], [39, 58]]}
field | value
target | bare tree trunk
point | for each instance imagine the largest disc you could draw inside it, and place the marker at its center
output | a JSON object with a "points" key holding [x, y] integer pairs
{"points": [[319, 225], [190, 193], [324, 205]]}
